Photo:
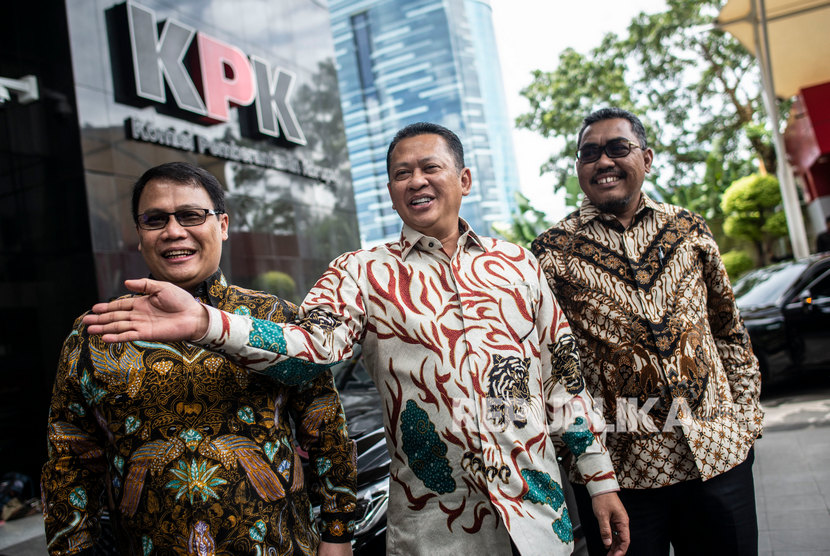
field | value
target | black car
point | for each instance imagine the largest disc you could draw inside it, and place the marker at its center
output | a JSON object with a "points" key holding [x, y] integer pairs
{"points": [[786, 308]]}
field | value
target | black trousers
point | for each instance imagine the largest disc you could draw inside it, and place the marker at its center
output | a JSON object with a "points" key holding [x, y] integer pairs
{"points": [[714, 517]]}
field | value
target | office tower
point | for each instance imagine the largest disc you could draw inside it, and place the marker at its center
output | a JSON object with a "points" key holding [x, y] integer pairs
{"points": [[403, 61]]}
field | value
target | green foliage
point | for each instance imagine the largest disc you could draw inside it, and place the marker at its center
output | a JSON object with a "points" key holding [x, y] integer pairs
{"points": [[277, 283], [696, 89], [737, 263], [750, 205], [526, 223]]}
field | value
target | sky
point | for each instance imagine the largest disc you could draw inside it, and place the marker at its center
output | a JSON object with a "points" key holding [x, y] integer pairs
{"points": [[530, 34]]}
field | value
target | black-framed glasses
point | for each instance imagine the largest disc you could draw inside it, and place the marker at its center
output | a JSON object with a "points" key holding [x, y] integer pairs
{"points": [[158, 219], [615, 148]]}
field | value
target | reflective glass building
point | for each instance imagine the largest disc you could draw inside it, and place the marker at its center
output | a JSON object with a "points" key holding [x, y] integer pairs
{"points": [[96, 92], [403, 61]]}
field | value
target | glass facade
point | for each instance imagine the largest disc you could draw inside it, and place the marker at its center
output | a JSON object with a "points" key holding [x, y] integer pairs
{"points": [[247, 90], [403, 61]]}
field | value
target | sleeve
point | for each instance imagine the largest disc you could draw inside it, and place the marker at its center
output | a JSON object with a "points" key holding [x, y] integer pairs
{"points": [[331, 321], [321, 432], [571, 411], [71, 482], [731, 338]]}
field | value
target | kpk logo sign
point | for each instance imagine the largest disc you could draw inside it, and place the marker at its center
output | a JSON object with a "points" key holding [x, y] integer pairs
{"points": [[204, 76]]}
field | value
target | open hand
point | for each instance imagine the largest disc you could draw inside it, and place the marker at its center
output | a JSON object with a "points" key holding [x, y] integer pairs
{"points": [[165, 312]]}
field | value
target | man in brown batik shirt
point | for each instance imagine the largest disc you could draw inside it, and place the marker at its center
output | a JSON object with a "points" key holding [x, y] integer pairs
{"points": [[663, 346]]}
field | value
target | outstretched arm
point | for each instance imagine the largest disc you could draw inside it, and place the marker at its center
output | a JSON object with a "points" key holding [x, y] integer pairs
{"points": [[165, 312]]}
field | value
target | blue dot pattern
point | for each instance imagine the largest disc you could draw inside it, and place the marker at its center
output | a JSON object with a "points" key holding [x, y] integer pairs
{"points": [[578, 437], [268, 336], [563, 528], [543, 489], [425, 450], [295, 372]]}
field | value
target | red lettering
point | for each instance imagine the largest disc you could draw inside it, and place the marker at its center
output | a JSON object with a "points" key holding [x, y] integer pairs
{"points": [[220, 89]]}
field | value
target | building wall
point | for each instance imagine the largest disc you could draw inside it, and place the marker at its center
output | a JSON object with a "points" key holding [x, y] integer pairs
{"points": [[403, 61], [69, 161]]}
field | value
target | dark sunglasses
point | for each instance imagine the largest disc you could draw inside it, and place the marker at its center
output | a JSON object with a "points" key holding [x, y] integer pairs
{"points": [[616, 148], [156, 220]]}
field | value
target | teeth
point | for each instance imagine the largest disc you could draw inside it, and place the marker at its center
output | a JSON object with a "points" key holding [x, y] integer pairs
{"points": [[607, 179], [179, 253], [421, 201]]}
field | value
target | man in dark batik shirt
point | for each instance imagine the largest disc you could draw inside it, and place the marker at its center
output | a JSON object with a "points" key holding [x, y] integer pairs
{"points": [[188, 452], [663, 346]]}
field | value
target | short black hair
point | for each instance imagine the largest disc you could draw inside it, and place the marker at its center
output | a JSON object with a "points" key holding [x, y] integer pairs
{"points": [[183, 173], [428, 128], [614, 113]]}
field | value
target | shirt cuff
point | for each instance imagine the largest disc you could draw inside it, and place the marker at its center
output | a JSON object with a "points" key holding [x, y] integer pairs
{"points": [[598, 473]]}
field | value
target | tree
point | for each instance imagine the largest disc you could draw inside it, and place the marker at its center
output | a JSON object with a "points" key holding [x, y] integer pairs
{"points": [[695, 88], [751, 208], [277, 283]]}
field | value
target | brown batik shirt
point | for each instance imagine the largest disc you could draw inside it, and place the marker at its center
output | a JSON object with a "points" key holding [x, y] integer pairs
{"points": [[189, 452], [663, 346]]}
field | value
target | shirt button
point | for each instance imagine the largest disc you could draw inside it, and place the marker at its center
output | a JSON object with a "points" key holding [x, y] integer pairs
{"points": [[432, 244]]}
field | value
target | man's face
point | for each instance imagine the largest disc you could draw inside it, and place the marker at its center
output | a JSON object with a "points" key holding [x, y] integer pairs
{"points": [[425, 186], [182, 255], [613, 184]]}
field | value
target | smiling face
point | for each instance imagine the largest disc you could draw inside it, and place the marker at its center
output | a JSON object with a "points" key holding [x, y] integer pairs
{"points": [[426, 187], [613, 184], [185, 256]]}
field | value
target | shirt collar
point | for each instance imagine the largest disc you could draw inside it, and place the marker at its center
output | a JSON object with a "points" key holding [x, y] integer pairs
{"points": [[410, 238], [589, 211]]}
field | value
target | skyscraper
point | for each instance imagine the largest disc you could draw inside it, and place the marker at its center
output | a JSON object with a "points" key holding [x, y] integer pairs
{"points": [[403, 61]]}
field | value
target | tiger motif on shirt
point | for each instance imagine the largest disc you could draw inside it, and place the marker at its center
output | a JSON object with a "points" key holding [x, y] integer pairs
{"points": [[508, 395]]}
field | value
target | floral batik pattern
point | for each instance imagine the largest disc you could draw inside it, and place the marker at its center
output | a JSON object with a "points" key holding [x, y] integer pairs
{"points": [[189, 452]]}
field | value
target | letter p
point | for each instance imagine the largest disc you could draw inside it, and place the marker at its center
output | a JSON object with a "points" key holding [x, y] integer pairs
{"points": [[227, 77]]}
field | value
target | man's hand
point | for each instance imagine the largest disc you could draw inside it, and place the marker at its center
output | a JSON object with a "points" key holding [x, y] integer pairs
{"points": [[613, 522], [335, 549], [165, 312]]}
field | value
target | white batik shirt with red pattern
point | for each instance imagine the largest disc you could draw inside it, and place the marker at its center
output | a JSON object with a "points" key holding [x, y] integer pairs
{"points": [[477, 371]]}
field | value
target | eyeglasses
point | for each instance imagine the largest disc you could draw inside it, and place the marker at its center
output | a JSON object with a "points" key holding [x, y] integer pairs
{"points": [[157, 220], [616, 148]]}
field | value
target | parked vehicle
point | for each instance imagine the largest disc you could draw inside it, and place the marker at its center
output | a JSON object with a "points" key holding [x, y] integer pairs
{"points": [[786, 308]]}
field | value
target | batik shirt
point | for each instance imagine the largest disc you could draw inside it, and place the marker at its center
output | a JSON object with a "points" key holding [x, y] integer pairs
{"points": [[476, 368], [189, 452], [660, 335]]}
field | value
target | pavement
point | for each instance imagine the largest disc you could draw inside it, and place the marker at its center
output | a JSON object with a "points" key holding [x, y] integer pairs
{"points": [[792, 477]]}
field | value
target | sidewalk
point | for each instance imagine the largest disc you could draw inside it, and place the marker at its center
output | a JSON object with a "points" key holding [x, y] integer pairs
{"points": [[792, 484], [792, 477]]}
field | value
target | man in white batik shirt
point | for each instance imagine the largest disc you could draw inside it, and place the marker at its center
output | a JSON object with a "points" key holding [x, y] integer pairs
{"points": [[474, 361]]}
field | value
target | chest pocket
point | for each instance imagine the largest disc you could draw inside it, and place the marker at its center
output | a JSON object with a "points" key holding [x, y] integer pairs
{"points": [[517, 308]]}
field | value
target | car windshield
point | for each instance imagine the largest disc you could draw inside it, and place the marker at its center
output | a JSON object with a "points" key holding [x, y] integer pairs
{"points": [[766, 285]]}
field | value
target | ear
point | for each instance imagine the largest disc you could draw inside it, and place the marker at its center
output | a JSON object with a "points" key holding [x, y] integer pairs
{"points": [[223, 223], [648, 157], [466, 182]]}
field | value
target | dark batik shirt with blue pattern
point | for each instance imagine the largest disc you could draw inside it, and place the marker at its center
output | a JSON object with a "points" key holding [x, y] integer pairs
{"points": [[190, 453]]}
